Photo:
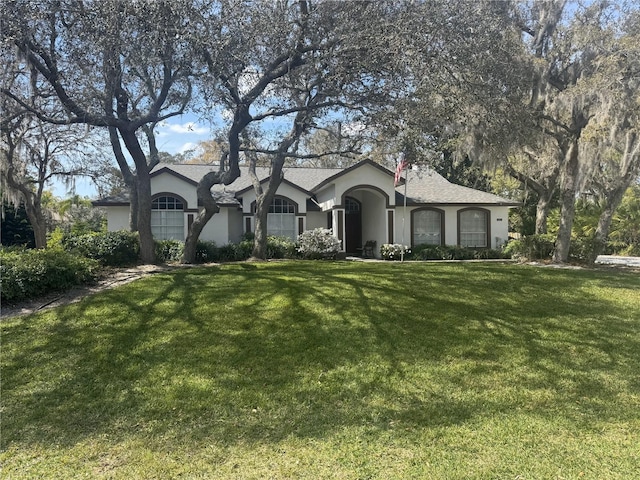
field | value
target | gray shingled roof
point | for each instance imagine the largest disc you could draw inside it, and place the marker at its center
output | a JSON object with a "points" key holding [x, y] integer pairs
{"points": [[428, 187], [423, 187]]}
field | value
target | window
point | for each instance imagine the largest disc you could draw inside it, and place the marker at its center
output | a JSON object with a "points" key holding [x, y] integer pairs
{"points": [[427, 227], [167, 218], [473, 227], [281, 220], [351, 205]]}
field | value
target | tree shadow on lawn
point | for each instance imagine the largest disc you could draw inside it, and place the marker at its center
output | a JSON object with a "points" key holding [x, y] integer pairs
{"points": [[258, 353]]}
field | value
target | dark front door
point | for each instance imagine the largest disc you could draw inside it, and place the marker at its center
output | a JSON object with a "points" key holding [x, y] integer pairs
{"points": [[353, 226]]}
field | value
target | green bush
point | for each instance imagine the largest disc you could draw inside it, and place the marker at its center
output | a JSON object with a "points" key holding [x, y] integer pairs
{"points": [[281, 247], [226, 253], [453, 252], [632, 250], [206, 252], [169, 251], [531, 247], [29, 274], [113, 249], [581, 249]]}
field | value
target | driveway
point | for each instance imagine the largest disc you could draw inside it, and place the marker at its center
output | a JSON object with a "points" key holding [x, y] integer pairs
{"points": [[616, 260]]}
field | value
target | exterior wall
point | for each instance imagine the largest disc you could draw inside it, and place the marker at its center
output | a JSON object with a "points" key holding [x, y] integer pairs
{"points": [[117, 218], [363, 176], [234, 224], [372, 187], [316, 220], [165, 183], [216, 229], [285, 190], [327, 198], [499, 224]]}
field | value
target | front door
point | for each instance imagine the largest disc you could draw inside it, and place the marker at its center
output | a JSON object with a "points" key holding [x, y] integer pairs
{"points": [[353, 226]]}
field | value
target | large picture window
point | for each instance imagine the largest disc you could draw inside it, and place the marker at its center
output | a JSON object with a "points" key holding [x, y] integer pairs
{"points": [[427, 227], [167, 218], [281, 220], [473, 228]]}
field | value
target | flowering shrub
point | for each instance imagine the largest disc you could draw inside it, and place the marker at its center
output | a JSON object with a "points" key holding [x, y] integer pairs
{"points": [[393, 251], [318, 243]]}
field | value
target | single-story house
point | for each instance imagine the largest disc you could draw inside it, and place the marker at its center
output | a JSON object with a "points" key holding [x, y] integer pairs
{"points": [[360, 203]]}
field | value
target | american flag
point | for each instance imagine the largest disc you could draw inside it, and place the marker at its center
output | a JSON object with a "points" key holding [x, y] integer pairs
{"points": [[401, 166]]}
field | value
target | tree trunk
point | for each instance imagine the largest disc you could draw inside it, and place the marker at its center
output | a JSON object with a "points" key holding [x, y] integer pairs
{"points": [[209, 210], [143, 188], [147, 245], [129, 178], [38, 223], [262, 212], [133, 207], [614, 196], [542, 212], [227, 177], [263, 200], [567, 203], [544, 192]]}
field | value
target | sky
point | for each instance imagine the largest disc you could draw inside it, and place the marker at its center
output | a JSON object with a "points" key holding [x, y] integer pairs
{"points": [[174, 136]]}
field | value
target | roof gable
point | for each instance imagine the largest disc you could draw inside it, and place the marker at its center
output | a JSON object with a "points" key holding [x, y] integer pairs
{"points": [[350, 169], [165, 169]]}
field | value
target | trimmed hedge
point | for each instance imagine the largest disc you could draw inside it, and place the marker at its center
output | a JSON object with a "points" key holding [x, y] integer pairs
{"points": [[170, 251], [114, 249], [453, 252], [27, 274]]}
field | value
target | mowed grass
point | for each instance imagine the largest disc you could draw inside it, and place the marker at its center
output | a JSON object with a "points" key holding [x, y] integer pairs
{"points": [[331, 370]]}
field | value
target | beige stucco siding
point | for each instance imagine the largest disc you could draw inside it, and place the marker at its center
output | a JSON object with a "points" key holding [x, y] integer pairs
{"points": [[316, 220], [366, 175], [167, 183], [117, 218], [374, 213], [326, 197], [499, 224], [217, 229], [234, 222], [284, 190]]}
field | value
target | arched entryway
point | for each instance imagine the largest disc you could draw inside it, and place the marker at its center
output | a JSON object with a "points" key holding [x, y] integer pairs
{"points": [[365, 218]]}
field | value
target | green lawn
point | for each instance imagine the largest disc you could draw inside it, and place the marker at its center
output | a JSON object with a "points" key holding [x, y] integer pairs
{"points": [[331, 370]]}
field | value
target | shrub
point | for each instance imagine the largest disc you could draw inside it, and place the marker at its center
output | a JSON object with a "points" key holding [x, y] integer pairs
{"points": [[393, 251], [581, 249], [232, 252], [28, 274], [205, 251], [531, 247], [114, 249], [318, 243], [452, 252], [169, 251], [280, 247]]}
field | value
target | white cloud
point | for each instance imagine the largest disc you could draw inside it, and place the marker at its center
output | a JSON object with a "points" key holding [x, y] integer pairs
{"points": [[187, 146], [189, 127]]}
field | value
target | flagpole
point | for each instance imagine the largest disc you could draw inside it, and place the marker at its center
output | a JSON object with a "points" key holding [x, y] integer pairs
{"points": [[404, 211]]}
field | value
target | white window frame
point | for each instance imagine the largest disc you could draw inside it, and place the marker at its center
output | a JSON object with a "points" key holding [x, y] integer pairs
{"points": [[473, 232], [281, 219], [426, 234], [167, 218]]}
